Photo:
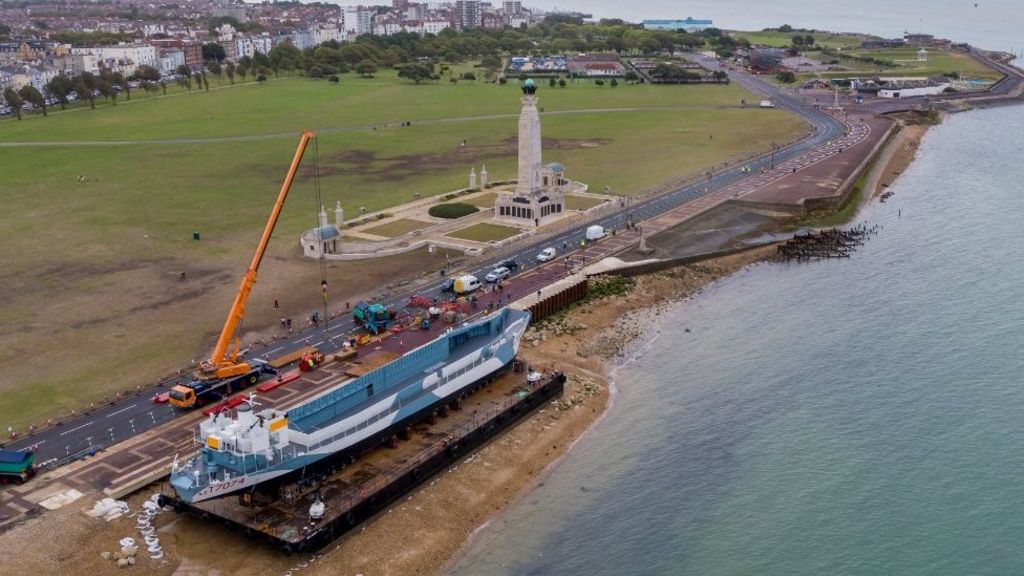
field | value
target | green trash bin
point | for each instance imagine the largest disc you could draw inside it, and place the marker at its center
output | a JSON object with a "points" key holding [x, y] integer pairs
{"points": [[195, 234]]}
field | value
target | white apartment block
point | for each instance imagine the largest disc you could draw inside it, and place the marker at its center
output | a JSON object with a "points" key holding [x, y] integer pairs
{"points": [[325, 32], [170, 60], [356, 21], [435, 25], [122, 57]]}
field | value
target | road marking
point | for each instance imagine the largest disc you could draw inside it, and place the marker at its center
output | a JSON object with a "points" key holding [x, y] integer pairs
{"points": [[274, 350], [125, 409], [303, 339], [66, 432], [318, 343]]}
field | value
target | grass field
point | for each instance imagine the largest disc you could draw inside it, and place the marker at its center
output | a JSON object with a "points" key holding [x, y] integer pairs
{"points": [[939, 62], [483, 201], [785, 39], [91, 298], [485, 232], [573, 202], [397, 227]]}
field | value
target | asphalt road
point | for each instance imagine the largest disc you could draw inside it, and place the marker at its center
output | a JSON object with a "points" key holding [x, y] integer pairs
{"points": [[116, 422]]}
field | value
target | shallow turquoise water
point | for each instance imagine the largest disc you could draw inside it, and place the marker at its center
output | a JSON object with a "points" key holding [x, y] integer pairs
{"points": [[863, 416]]}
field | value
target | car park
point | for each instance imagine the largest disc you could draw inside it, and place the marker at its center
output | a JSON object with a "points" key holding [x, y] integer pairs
{"points": [[498, 274], [546, 254]]}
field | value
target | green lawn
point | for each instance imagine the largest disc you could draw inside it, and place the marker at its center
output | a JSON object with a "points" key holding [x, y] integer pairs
{"points": [[485, 232], [573, 202], [483, 200], [939, 62], [785, 39], [90, 279], [289, 104], [397, 227]]}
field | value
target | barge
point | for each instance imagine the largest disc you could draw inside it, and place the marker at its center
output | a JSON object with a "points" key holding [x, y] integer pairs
{"points": [[313, 512]]}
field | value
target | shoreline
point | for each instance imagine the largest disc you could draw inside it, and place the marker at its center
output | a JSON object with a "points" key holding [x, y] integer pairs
{"points": [[436, 525]]}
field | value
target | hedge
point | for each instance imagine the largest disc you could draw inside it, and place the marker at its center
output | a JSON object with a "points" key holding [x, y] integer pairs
{"points": [[453, 210]]}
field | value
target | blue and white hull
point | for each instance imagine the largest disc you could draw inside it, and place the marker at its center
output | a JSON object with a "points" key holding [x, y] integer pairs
{"points": [[242, 453]]}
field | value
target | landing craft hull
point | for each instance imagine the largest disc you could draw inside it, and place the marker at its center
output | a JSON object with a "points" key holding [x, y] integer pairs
{"points": [[328, 433], [323, 461]]}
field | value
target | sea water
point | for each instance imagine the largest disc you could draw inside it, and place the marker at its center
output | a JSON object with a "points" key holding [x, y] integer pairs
{"points": [[992, 24], [841, 417]]}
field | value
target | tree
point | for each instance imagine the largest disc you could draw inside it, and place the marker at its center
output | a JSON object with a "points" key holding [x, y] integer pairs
{"points": [[60, 87], [552, 81], [798, 40], [149, 87], [185, 73], [333, 79], [214, 51], [366, 68], [561, 82], [599, 82], [229, 69], [468, 76], [14, 101], [144, 72], [786, 77], [32, 95], [632, 76], [84, 85], [215, 68], [118, 79], [808, 40], [206, 81], [107, 90], [416, 72], [163, 86], [614, 83], [261, 78], [284, 56], [242, 69]]}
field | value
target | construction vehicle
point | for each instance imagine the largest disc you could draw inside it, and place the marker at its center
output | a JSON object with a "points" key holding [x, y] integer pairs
{"points": [[225, 371], [374, 318], [310, 360], [16, 467]]}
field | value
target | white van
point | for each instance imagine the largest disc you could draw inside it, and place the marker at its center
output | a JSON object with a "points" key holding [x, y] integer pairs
{"points": [[767, 104], [466, 284], [595, 233]]}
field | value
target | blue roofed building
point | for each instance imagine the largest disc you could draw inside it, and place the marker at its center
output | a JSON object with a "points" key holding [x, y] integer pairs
{"points": [[326, 237], [689, 24]]}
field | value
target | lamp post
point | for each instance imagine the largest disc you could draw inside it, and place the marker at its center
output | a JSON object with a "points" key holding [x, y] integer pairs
{"points": [[774, 146]]}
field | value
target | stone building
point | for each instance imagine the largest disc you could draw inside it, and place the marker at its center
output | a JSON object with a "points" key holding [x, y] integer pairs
{"points": [[325, 238], [539, 196]]}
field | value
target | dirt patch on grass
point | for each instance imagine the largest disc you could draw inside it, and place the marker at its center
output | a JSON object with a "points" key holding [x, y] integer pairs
{"points": [[401, 167]]}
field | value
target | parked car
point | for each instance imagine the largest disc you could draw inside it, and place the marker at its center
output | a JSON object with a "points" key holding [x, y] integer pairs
{"points": [[512, 265], [546, 254], [767, 104], [498, 274], [448, 285], [595, 233], [5, 111]]}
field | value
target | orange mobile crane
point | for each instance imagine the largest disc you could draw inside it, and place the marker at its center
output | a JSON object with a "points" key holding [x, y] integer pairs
{"points": [[224, 371]]}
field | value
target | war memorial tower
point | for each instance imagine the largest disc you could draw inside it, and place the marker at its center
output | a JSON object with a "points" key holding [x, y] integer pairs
{"points": [[539, 196]]}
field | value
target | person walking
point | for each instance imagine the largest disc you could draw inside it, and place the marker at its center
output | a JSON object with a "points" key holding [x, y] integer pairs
{"points": [[276, 304]]}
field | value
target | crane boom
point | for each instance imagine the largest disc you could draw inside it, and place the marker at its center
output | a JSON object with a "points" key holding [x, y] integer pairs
{"points": [[223, 363]]}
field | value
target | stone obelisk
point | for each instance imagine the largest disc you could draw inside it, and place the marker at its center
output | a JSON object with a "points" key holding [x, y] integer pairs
{"points": [[529, 142]]}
